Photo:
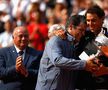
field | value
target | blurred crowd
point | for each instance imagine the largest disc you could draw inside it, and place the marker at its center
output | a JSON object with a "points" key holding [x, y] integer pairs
{"points": [[39, 15]]}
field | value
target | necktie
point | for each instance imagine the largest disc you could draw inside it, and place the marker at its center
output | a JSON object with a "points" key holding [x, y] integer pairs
{"points": [[20, 53]]}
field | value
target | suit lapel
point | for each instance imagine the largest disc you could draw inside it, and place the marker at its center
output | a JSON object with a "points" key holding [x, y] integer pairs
{"points": [[26, 58], [13, 53]]}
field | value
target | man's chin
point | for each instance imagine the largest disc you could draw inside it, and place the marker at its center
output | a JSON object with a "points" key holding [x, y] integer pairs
{"points": [[23, 46]]}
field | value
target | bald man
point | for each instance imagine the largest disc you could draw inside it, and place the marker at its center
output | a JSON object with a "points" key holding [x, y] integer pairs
{"points": [[18, 71]]}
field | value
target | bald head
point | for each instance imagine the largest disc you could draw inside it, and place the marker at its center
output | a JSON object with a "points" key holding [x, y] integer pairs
{"points": [[20, 29], [21, 37]]}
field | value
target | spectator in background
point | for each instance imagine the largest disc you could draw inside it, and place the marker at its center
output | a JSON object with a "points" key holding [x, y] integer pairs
{"points": [[3, 12], [20, 19], [32, 7], [50, 17], [59, 6], [84, 5], [38, 31], [80, 6], [64, 16], [18, 6], [19, 72], [75, 7], [58, 66], [6, 36]]}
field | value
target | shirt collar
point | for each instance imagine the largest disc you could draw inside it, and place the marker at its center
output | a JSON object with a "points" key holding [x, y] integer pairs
{"points": [[17, 49]]}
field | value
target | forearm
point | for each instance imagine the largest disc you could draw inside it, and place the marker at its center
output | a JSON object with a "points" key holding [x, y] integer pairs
{"points": [[8, 73], [69, 63]]}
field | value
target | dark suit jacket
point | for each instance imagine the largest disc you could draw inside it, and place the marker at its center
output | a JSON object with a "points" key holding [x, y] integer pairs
{"points": [[10, 79]]}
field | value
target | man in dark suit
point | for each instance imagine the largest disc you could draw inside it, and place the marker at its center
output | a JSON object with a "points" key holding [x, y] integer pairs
{"points": [[19, 72]]}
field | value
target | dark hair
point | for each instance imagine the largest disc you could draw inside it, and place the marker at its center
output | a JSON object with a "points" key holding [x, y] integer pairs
{"points": [[95, 9], [75, 20]]}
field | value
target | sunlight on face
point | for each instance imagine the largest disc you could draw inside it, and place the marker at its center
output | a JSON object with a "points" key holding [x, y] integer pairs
{"points": [[21, 37], [94, 22]]}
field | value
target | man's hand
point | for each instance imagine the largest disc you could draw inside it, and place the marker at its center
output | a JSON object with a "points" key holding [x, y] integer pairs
{"points": [[92, 64], [101, 71], [60, 33], [20, 67], [24, 71]]}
